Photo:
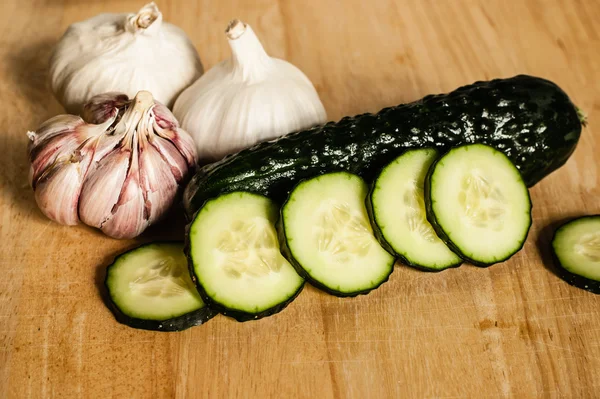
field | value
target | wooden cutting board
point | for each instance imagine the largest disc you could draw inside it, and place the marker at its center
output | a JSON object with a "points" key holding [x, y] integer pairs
{"points": [[514, 329]]}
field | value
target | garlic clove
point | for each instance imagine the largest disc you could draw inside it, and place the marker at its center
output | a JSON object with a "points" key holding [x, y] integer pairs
{"points": [[164, 117], [167, 127], [55, 126], [44, 153], [58, 139], [182, 141], [128, 219], [99, 195], [170, 154], [102, 107], [157, 180], [57, 192]]}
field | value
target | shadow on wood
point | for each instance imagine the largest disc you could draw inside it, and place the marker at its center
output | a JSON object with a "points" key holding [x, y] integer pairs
{"points": [[28, 72]]}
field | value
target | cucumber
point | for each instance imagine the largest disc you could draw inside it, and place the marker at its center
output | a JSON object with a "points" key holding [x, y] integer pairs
{"points": [[150, 288], [397, 212], [478, 204], [576, 249], [325, 234], [234, 257], [530, 119]]}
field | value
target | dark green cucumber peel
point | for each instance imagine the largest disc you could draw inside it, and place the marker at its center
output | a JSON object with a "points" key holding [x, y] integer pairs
{"points": [[179, 323], [530, 119], [441, 233], [236, 314], [573, 279], [386, 245], [219, 307]]}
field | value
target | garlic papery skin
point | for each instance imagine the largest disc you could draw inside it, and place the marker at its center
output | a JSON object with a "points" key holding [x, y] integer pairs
{"points": [[246, 99], [125, 53], [120, 174]]}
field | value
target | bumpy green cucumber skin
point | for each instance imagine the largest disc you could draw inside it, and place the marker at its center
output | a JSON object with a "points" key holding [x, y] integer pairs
{"points": [[220, 308], [386, 245], [439, 230], [529, 119], [179, 323], [573, 279], [287, 253]]}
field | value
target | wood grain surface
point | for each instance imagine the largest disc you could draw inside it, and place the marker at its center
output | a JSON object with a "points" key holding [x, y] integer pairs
{"points": [[513, 330]]}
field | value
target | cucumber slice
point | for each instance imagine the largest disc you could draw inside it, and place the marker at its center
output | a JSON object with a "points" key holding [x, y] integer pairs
{"points": [[397, 211], [235, 258], [576, 247], [328, 238], [150, 288], [478, 204]]}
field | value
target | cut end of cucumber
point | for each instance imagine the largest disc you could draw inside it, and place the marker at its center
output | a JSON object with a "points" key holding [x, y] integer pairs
{"points": [[329, 237], [481, 200], [398, 208], [164, 278], [236, 258], [151, 284], [576, 246], [589, 247], [249, 247], [340, 233], [415, 217], [479, 204]]}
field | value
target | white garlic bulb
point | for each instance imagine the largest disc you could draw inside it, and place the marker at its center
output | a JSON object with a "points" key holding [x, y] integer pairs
{"points": [[118, 169], [125, 53], [246, 99]]}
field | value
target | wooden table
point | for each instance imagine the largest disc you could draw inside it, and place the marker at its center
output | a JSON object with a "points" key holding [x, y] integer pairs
{"points": [[514, 329]]}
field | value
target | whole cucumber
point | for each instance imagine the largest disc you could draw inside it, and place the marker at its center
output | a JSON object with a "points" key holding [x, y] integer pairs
{"points": [[530, 119]]}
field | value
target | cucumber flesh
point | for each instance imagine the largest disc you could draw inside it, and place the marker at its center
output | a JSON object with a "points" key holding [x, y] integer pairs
{"points": [[235, 257], [398, 216], [576, 246], [328, 238], [478, 204], [150, 288]]}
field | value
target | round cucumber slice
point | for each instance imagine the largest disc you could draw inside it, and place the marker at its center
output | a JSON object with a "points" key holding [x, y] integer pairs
{"points": [[235, 257], [328, 237], [576, 247], [478, 204], [150, 288], [397, 209]]}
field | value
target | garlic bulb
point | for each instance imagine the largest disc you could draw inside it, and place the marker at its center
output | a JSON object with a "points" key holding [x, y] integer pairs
{"points": [[246, 99], [117, 169], [125, 53]]}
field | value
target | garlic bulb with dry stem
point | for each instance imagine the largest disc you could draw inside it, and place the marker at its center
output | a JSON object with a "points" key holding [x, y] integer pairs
{"points": [[118, 169], [125, 53], [246, 99]]}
